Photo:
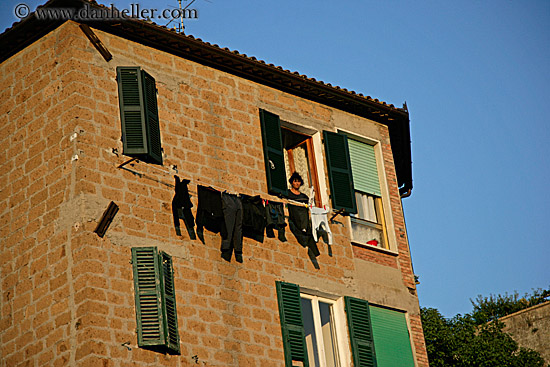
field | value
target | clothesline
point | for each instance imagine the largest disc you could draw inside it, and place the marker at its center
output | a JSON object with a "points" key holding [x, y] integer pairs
{"points": [[235, 217], [194, 191], [223, 190]]}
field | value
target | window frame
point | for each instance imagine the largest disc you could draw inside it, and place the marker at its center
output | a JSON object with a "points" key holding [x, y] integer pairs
{"points": [[353, 326], [312, 164], [274, 151], [380, 224], [386, 219], [340, 326]]}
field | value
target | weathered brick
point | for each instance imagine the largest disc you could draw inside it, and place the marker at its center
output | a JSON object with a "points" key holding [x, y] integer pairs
{"points": [[63, 280]]}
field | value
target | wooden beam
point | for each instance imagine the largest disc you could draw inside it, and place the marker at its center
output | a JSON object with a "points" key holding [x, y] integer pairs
{"points": [[96, 42]]}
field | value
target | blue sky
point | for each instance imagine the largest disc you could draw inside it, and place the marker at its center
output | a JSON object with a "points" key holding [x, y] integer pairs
{"points": [[476, 78]]}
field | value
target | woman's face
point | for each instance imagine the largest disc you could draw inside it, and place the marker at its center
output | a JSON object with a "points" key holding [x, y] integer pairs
{"points": [[296, 184]]}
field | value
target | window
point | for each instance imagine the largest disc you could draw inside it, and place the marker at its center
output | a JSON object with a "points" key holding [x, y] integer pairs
{"points": [[314, 331], [299, 157], [137, 94], [320, 330], [355, 187], [156, 314], [368, 224], [285, 151]]}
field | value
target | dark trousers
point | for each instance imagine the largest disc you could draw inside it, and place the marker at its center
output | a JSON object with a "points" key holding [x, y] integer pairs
{"points": [[300, 226], [233, 217]]}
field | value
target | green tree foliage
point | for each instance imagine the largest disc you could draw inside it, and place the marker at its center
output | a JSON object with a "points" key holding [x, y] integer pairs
{"points": [[461, 342], [492, 307]]}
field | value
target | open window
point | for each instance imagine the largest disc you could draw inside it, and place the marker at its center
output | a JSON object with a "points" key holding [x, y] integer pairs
{"points": [[321, 331], [355, 187], [286, 149], [299, 157], [368, 225]]}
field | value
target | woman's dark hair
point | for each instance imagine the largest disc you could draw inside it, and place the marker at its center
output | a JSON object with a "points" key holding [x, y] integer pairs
{"points": [[296, 176]]}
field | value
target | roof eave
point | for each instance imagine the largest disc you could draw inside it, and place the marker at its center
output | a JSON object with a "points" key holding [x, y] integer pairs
{"points": [[24, 33]]}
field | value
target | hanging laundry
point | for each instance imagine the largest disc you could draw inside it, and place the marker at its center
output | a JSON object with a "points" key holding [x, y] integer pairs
{"points": [[233, 218], [319, 222], [210, 212], [300, 224], [275, 219], [254, 220], [298, 216], [181, 208]]}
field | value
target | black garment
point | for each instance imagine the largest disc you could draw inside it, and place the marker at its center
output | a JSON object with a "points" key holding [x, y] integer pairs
{"points": [[301, 198], [233, 217], [253, 217], [299, 215], [181, 208], [275, 217], [300, 224], [210, 212]]}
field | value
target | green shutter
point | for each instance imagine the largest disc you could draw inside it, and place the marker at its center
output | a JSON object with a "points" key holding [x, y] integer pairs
{"points": [[363, 166], [156, 314], [391, 338], [139, 114], [273, 153], [292, 325], [149, 315], [171, 315], [339, 172], [360, 332], [152, 116]]}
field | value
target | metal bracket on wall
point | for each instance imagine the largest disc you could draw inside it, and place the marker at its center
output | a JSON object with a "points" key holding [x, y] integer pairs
{"points": [[339, 212], [143, 175], [127, 162]]}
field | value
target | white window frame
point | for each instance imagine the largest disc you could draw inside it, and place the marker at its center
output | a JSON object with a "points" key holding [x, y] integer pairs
{"points": [[378, 224], [316, 138], [340, 327], [386, 204]]}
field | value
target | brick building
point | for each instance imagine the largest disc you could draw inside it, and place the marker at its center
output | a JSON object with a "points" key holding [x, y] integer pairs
{"points": [[99, 112]]}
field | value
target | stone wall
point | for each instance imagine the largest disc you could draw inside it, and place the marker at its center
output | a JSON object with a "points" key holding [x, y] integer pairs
{"points": [[530, 328], [67, 295]]}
